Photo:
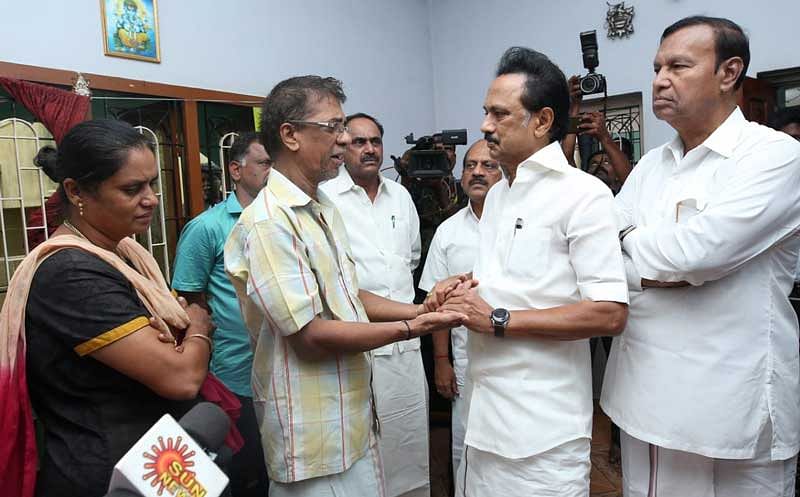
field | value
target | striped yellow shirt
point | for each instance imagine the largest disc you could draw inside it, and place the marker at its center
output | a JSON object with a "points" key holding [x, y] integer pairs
{"points": [[289, 260]]}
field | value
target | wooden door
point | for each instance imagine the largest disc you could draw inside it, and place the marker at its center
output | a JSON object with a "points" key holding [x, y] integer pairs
{"points": [[756, 98]]}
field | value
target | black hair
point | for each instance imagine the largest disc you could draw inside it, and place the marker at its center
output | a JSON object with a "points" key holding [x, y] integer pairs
{"points": [[241, 144], [595, 153], [729, 40], [469, 149], [545, 85], [289, 101], [91, 152], [46, 159], [785, 117], [361, 115]]}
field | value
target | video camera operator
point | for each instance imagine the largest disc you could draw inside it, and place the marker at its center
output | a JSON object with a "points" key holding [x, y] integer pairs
{"points": [[435, 197]]}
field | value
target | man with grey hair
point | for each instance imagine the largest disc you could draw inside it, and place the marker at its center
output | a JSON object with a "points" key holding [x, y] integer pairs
{"points": [[291, 264]]}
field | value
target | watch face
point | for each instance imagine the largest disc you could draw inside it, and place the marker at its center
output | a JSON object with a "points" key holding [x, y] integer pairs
{"points": [[500, 315]]}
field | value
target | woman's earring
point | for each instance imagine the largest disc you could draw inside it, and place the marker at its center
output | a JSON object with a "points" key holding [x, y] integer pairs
{"points": [[80, 207]]}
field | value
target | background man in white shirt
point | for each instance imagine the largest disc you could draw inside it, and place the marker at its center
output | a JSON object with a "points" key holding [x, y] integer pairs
{"points": [[704, 381], [383, 228], [453, 251], [550, 275]]}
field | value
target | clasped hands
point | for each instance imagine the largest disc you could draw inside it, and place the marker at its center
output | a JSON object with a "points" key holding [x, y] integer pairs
{"points": [[459, 294], [172, 332]]}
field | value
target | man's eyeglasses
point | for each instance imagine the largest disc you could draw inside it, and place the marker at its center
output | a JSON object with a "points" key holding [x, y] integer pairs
{"points": [[337, 127]]}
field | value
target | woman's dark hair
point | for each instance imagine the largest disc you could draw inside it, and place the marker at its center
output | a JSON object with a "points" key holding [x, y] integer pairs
{"points": [[91, 152], [45, 160], [545, 85]]}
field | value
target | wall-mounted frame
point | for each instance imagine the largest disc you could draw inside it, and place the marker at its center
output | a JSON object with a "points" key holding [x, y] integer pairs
{"points": [[130, 29]]}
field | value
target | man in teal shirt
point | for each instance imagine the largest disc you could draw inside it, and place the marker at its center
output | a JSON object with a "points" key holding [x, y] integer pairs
{"points": [[200, 277]]}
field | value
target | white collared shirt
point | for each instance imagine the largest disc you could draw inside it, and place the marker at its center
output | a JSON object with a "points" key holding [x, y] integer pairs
{"points": [[703, 368], [548, 240], [384, 237], [453, 251]]}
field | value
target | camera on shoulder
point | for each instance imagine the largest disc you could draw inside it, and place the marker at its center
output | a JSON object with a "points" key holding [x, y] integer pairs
{"points": [[593, 82], [428, 157]]}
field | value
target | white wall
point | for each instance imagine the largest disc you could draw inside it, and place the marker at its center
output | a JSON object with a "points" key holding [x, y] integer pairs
{"points": [[470, 36], [379, 49], [418, 65]]}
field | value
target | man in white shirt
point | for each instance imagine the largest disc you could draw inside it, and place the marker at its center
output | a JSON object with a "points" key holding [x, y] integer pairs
{"points": [[453, 251], [383, 228], [704, 380], [550, 276]]}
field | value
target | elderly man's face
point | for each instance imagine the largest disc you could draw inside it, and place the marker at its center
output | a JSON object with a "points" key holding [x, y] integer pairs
{"points": [[506, 125], [480, 172], [321, 148], [686, 87], [364, 154]]}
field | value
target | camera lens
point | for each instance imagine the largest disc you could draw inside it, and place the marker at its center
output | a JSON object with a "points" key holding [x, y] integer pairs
{"points": [[590, 84]]}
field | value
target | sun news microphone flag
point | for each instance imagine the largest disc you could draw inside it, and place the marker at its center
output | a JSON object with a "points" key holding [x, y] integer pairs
{"points": [[176, 459]]}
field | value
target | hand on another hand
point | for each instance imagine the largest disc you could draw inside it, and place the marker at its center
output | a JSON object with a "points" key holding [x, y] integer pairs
{"points": [[464, 299], [437, 296], [434, 321]]}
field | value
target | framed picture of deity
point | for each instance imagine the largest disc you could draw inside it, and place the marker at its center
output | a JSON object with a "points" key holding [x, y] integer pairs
{"points": [[130, 29]]}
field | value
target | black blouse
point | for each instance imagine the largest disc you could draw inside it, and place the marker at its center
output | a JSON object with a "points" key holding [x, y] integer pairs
{"points": [[91, 413]]}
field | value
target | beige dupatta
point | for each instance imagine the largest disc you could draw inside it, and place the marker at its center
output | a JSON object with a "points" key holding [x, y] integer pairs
{"points": [[17, 440]]}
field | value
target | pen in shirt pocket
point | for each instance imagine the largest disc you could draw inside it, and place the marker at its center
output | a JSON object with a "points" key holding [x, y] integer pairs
{"points": [[393, 219], [518, 225]]}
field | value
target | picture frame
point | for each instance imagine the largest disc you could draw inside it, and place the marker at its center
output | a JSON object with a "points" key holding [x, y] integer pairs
{"points": [[130, 29]]}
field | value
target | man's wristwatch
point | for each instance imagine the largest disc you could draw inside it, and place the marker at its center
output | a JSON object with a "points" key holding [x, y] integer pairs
{"points": [[499, 319]]}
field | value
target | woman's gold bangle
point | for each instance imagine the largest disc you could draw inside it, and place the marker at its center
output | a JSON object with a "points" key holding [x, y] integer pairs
{"points": [[203, 337]]}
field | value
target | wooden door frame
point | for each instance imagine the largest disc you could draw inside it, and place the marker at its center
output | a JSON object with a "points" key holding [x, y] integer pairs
{"points": [[189, 96]]}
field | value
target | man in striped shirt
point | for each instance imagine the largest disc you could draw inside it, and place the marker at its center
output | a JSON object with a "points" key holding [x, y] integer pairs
{"points": [[292, 267]]}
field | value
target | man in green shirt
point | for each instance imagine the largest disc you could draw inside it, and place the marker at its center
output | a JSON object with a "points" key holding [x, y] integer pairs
{"points": [[200, 277]]}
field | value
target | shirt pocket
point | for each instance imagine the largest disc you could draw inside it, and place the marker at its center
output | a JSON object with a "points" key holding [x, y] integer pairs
{"points": [[687, 208], [400, 237], [529, 253]]}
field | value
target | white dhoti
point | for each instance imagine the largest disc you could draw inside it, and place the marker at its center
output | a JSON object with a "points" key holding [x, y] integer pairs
{"points": [[652, 471], [562, 471], [363, 479], [401, 398], [458, 422]]}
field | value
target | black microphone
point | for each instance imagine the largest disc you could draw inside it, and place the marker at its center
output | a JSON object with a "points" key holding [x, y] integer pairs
{"points": [[208, 425]]}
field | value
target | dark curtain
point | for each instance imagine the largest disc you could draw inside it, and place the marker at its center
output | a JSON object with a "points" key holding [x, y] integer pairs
{"points": [[58, 110]]}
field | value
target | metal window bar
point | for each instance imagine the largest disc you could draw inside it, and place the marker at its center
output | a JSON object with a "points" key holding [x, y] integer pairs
{"points": [[225, 143], [161, 216], [8, 259], [626, 121]]}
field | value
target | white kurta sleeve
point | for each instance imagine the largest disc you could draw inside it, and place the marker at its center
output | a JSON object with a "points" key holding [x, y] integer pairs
{"points": [[435, 269], [757, 207]]}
